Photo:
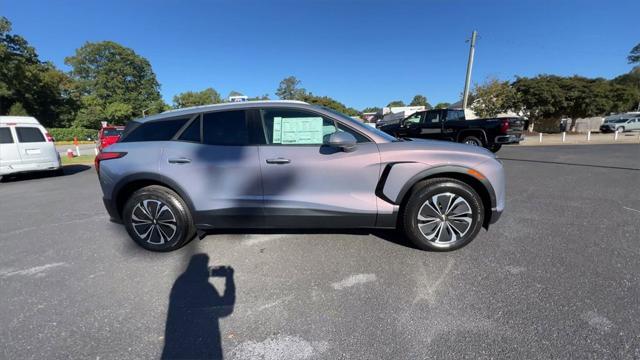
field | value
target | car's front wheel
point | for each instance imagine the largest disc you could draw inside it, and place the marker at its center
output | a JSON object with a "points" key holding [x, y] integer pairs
{"points": [[442, 214], [157, 219], [620, 129]]}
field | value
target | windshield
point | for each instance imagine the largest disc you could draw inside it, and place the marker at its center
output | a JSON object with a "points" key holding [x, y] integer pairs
{"points": [[358, 125], [111, 132]]}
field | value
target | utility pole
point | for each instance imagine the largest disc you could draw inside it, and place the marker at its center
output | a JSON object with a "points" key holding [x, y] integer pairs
{"points": [[472, 50]]}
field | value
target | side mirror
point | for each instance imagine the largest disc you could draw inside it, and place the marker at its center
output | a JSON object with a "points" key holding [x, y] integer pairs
{"points": [[342, 140]]}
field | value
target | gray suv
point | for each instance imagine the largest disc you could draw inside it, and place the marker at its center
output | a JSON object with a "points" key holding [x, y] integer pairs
{"points": [[288, 164]]}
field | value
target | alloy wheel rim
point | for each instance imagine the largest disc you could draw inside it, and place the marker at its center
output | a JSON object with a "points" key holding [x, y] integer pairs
{"points": [[445, 218], [472, 142], [154, 222]]}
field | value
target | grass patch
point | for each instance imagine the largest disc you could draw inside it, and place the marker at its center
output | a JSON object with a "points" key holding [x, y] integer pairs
{"points": [[82, 159]]}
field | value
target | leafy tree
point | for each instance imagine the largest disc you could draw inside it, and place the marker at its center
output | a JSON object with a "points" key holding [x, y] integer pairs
{"points": [[420, 100], [196, 98], [40, 89], [634, 55], [119, 80], [396, 103], [494, 97], [442, 105], [262, 97], [328, 102], [17, 110], [289, 89], [371, 110]]}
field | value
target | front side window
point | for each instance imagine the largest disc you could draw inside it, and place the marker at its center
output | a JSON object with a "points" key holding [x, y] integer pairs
{"points": [[192, 132], [228, 128], [29, 135], [414, 119], [5, 136], [295, 127], [162, 130]]}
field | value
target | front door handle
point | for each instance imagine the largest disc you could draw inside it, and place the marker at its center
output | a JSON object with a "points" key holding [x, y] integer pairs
{"points": [[179, 161], [278, 161]]}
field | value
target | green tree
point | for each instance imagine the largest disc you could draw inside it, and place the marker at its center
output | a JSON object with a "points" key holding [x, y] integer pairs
{"points": [[372, 109], [17, 110], [442, 105], [197, 98], [328, 102], [396, 103], [494, 97], [420, 100], [117, 78], [261, 97], [41, 90], [634, 55], [289, 89]]}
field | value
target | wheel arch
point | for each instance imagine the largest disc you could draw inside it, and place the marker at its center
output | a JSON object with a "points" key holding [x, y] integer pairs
{"points": [[473, 132], [130, 184], [460, 173]]}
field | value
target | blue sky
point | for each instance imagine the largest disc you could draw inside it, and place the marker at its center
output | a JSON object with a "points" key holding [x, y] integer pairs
{"points": [[363, 53]]}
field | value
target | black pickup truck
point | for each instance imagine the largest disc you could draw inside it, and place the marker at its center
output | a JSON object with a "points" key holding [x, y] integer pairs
{"points": [[450, 124]]}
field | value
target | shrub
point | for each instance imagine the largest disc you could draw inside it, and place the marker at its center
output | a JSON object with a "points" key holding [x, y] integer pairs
{"points": [[67, 134]]}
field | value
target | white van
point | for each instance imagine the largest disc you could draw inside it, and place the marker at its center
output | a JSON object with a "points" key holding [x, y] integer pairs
{"points": [[25, 145]]}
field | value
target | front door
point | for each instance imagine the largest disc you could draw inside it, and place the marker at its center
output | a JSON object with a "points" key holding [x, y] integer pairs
{"points": [[432, 125], [308, 184]]}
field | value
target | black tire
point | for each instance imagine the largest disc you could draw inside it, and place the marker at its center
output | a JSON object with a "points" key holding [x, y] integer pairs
{"points": [[495, 148], [146, 203], [472, 140], [422, 195]]}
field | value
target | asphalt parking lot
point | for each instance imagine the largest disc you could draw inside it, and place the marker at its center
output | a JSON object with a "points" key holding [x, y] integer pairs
{"points": [[557, 277]]}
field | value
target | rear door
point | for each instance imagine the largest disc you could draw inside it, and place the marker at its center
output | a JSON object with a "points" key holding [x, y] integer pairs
{"points": [[308, 184], [33, 146], [9, 154], [215, 160]]}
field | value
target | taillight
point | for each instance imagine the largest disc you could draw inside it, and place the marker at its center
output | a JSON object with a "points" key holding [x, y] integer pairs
{"points": [[504, 127], [106, 156], [49, 137]]}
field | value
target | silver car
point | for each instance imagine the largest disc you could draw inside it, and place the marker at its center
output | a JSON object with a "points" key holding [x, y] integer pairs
{"points": [[288, 164]]}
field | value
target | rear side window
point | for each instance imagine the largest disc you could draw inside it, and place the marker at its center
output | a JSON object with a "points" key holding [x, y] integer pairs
{"points": [[191, 133], [29, 135], [5, 136], [225, 128], [155, 130]]}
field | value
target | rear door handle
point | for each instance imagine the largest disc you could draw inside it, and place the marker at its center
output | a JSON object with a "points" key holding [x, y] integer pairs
{"points": [[278, 161], [179, 161]]}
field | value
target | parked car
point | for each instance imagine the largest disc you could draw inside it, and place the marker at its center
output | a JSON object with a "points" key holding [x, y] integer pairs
{"points": [[26, 146], [451, 125], [109, 135], [620, 125], [288, 164]]}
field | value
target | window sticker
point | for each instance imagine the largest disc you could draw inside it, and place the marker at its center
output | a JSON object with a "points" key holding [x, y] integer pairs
{"points": [[298, 130]]}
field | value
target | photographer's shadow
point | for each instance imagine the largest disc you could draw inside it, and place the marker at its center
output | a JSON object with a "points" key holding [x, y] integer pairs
{"points": [[192, 330]]}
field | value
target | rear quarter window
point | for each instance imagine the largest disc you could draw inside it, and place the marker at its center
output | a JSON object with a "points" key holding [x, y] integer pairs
{"points": [[29, 134], [5, 136], [161, 130]]}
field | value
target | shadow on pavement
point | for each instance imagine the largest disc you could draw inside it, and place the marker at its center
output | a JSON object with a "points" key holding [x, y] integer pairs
{"points": [[390, 235], [67, 169], [195, 306]]}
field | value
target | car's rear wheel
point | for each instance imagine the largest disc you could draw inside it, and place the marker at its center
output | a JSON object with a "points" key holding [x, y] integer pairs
{"points": [[472, 140], [442, 214], [157, 219]]}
